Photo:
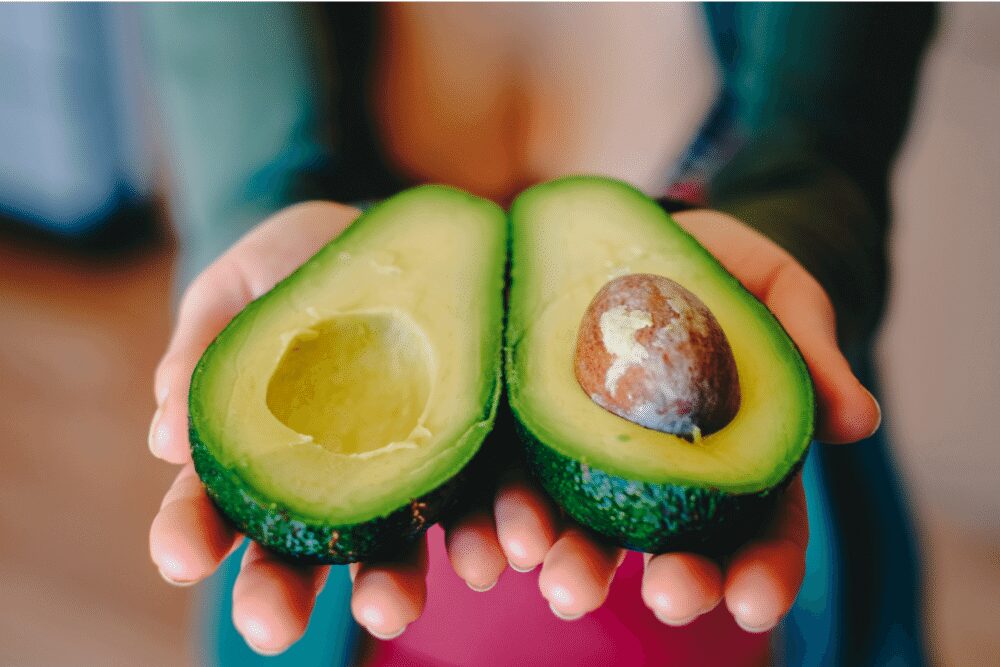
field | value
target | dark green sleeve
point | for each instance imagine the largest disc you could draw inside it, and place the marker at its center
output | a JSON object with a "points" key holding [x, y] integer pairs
{"points": [[820, 94]]}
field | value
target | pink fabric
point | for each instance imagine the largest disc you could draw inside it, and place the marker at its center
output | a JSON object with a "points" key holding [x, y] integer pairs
{"points": [[512, 625]]}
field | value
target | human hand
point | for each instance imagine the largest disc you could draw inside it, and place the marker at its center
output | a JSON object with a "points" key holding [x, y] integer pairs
{"points": [[273, 599], [760, 582]]}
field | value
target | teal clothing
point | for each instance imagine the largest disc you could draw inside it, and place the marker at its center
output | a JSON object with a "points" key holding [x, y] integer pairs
{"points": [[813, 105], [250, 121]]}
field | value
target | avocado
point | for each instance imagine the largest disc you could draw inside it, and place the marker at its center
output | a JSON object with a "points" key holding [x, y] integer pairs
{"points": [[641, 488], [335, 418]]}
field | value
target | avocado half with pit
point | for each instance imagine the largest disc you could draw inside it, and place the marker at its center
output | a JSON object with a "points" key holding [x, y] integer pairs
{"points": [[335, 418], [642, 488]]}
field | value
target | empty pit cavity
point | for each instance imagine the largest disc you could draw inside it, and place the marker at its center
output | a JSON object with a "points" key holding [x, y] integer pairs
{"points": [[355, 383]]}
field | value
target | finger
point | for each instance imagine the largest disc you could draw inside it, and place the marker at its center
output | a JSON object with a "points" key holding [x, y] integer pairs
{"points": [[188, 538], [526, 523], [211, 301], [388, 596], [246, 271], [680, 587], [577, 573], [764, 577], [251, 267], [474, 551], [847, 412], [276, 247], [273, 599]]}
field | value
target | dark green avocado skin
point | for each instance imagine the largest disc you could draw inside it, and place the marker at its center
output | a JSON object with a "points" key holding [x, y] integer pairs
{"points": [[654, 518], [309, 542]]}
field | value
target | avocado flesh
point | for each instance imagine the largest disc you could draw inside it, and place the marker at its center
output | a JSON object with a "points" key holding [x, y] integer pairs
{"points": [[643, 488], [333, 416]]}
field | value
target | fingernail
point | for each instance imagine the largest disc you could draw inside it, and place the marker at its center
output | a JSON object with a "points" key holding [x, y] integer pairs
{"points": [[675, 622], [518, 568], [565, 617], [516, 549], [878, 422], [371, 616], [158, 433], [481, 589], [387, 637], [560, 595], [175, 582], [660, 608], [256, 633], [267, 653], [172, 571], [753, 629]]}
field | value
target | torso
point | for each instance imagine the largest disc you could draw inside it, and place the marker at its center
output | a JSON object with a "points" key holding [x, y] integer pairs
{"points": [[495, 97]]}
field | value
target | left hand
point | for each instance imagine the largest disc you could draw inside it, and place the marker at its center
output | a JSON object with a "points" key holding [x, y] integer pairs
{"points": [[760, 583]]}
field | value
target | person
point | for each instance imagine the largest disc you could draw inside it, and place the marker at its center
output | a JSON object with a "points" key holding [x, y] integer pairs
{"points": [[792, 161]]}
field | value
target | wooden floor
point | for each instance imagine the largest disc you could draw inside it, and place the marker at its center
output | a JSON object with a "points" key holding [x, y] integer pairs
{"points": [[78, 487], [78, 343]]}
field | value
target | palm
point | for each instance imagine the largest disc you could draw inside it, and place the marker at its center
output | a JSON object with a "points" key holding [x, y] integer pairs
{"points": [[273, 600]]}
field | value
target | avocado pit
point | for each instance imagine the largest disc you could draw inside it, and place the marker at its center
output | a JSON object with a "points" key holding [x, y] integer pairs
{"points": [[651, 352]]}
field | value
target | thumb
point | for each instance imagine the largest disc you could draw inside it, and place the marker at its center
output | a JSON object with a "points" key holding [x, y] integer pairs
{"points": [[248, 269], [846, 410], [211, 301]]}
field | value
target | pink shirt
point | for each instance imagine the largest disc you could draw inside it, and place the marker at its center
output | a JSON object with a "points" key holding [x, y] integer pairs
{"points": [[512, 625]]}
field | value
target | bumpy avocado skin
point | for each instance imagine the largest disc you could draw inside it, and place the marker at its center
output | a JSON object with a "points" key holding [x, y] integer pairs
{"points": [[308, 541], [654, 518]]}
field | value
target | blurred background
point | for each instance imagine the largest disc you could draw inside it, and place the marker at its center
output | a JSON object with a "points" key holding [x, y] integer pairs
{"points": [[87, 267]]}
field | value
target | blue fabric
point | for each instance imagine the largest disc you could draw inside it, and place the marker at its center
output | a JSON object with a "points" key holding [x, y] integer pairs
{"points": [[239, 101], [71, 152], [808, 636], [881, 594], [860, 602]]}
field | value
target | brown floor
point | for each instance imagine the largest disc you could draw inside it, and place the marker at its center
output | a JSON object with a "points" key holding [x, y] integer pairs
{"points": [[78, 342], [962, 570]]}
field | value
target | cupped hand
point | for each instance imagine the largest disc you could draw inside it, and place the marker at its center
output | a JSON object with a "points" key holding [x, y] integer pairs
{"points": [[760, 582], [272, 599]]}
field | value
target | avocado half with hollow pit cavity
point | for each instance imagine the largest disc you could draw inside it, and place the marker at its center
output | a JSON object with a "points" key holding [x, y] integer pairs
{"points": [[335, 417], [642, 488]]}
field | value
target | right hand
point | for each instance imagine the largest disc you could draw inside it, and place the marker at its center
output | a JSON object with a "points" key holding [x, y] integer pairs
{"points": [[273, 599]]}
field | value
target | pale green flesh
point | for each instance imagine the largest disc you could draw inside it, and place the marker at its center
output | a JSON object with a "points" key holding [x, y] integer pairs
{"points": [[569, 238], [368, 377]]}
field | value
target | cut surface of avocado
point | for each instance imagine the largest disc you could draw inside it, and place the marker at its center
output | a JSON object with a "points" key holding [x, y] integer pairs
{"points": [[331, 416], [569, 237]]}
